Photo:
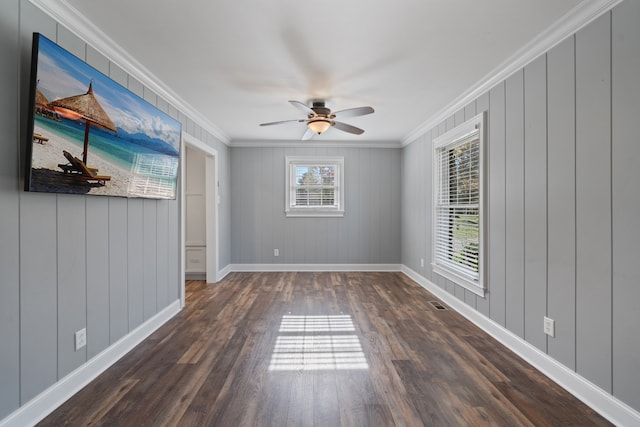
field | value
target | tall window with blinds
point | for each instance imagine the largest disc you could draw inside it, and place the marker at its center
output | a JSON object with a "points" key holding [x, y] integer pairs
{"points": [[457, 219], [315, 186]]}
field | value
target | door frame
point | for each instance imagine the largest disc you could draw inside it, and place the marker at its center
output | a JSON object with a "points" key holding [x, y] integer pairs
{"points": [[211, 210]]}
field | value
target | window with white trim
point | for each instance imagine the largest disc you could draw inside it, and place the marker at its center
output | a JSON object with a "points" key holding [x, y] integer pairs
{"points": [[458, 201], [315, 186]]}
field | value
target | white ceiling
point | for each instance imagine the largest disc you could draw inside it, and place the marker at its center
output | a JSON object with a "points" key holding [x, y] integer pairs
{"points": [[239, 62]]}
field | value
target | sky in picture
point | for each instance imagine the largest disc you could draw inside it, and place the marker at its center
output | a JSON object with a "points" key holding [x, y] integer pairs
{"points": [[60, 75]]}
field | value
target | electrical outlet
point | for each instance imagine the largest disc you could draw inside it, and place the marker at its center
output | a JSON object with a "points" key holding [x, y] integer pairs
{"points": [[81, 338], [549, 326], [276, 252], [421, 262]]}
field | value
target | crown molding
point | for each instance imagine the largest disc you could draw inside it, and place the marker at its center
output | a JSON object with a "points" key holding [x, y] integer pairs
{"points": [[315, 144], [577, 18], [65, 14]]}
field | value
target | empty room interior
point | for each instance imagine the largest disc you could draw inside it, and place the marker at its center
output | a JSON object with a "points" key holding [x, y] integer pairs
{"points": [[336, 214]]}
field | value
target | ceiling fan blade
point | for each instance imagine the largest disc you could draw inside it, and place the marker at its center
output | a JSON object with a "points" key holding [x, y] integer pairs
{"points": [[281, 121], [348, 128], [308, 135], [353, 112], [302, 107]]}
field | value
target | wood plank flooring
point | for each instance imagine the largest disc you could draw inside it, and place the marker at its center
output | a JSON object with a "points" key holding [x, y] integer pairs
{"points": [[320, 349]]}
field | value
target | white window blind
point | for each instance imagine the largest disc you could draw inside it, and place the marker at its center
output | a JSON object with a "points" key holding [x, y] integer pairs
{"points": [[315, 185], [457, 205]]}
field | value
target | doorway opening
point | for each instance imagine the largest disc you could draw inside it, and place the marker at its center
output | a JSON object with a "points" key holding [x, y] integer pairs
{"points": [[199, 212]]}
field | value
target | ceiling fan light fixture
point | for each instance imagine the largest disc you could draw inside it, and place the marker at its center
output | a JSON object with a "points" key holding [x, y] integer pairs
{"points": [[319, 126]]}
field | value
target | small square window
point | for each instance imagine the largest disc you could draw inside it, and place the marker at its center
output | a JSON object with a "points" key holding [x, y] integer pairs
{"points": [[315, 186]]}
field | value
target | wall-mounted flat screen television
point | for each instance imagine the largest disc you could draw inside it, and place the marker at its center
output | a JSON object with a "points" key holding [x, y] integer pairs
{"points": [[88, 134]]}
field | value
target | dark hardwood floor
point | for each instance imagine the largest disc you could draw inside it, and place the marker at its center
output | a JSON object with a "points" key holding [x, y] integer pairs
{"points": [[320, 349]]}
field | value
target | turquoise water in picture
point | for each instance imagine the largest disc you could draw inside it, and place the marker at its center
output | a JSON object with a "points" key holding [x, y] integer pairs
{"points": [[106, 144]]}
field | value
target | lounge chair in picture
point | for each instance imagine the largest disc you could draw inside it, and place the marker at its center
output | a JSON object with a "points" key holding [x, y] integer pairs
{"points": [[39, 138], [78, 169]]}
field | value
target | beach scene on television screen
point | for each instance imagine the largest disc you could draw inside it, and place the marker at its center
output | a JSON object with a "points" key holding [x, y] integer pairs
{"points": [[93, 136]]}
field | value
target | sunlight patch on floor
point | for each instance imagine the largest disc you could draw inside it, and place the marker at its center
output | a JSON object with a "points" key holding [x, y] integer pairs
{"points": [[305, 344]]}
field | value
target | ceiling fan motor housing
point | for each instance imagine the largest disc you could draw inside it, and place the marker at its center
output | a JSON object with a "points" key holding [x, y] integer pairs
{"points": [[320, 108]]}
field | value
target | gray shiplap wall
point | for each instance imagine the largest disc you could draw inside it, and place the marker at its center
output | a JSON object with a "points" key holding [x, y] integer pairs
{"points": [[369, 233], [69, 261], [563, 172]]}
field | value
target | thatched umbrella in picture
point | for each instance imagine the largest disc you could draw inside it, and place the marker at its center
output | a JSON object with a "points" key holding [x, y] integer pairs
{"points": [[41, 100], [42, 104], [85, 107]]}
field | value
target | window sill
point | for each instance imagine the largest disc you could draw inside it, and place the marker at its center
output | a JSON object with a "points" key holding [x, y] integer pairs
{"points": [[319, 213]]}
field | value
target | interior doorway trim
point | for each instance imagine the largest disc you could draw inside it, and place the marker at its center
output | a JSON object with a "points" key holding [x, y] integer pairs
{"points": [[211, 210]]}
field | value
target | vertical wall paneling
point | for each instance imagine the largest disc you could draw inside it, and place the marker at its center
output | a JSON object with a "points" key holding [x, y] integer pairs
{"points": [[470, 110], [363, 190], [9, 214], [369, 233], [149, 251], [38, 294], [450, 123], [173, 237], [257, 187], [97, 244], [149, 96], [72, 290], [118, 75], [97, 61], [162, 254], [535, 201], [496, 176], [483, 305], [593, 202], [135, 86], [135, 262], [352, 202], [626, 201], [237, 211], [267, 204], [561, 201], [163, 105], [413, 203], [73, 44], [118, 270], [458, 118], [514, 203], [378, 183]]}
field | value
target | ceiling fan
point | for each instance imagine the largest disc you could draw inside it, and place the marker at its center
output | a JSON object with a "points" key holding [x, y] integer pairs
{"points": [[320, 118]]}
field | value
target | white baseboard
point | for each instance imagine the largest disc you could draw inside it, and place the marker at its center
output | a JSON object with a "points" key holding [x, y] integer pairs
{"points": [[601, 401], [46, 402], [314, 267], [223, 273]]}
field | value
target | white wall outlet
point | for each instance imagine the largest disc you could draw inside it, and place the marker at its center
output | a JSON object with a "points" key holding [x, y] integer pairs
{"points": [[276, 252], [549, 326], [421, 262], [81, 338]]}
